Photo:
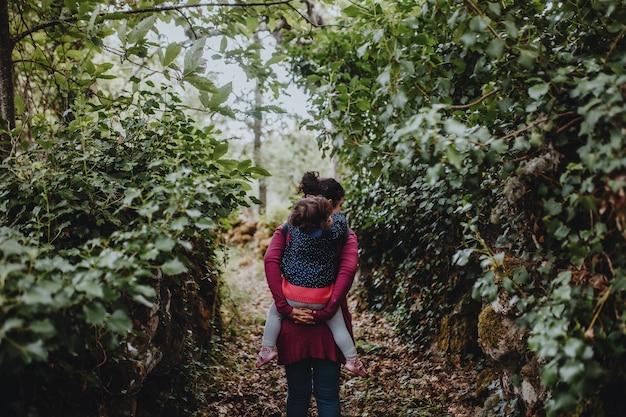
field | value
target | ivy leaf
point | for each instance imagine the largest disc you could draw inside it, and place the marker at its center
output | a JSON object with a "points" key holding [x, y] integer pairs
{"points": [[571, 371], [495, 49], [455, 158], [94, 313], [552, 207], [455, 127], [205, 223], [109, 258], [538, 90], [173, 267], [462, 257], [164, 244], [35, 350], [10, 324], [36, 295], [119, 322]]}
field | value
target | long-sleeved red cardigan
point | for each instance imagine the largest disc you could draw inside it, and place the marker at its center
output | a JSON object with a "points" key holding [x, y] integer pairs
{"points": [[300, 341]]}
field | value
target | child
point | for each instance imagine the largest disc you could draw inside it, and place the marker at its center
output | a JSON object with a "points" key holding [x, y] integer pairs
{"points": [[309, 269]]}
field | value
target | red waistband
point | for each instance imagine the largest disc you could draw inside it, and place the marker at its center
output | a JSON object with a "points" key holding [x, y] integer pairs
{"points": [[307, 295]]}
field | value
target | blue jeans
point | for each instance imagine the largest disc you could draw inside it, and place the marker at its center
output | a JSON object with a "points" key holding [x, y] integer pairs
{"points": [[317, 376]]}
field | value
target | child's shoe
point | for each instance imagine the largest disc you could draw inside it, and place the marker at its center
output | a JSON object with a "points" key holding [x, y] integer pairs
{"points": [[355, 366], [265, 355]]}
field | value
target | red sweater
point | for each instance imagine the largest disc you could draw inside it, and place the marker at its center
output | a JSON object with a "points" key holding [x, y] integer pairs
{"points": [[300, 341]]}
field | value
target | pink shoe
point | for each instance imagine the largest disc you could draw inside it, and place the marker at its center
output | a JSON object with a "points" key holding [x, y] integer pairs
{"points": [[355, 366], [266, 354]]}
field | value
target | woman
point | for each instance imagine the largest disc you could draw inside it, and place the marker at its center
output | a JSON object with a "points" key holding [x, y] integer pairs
{"points": [[305, 345]]}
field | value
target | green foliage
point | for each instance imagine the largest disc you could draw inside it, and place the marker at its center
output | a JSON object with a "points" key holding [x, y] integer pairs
{"points": [[486, 145], [113, 198], [95, 217]]}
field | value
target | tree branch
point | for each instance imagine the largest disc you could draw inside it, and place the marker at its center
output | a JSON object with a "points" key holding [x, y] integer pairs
{"points": [[613, 46], [477, 10], [104, 16], [475, 102]]}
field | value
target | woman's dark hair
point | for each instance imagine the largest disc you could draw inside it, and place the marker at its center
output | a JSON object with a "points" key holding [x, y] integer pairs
{"points": [[312, 184], [311, 213]]}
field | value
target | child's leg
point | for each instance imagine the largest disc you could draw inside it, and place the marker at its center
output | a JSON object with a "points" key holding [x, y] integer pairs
{"points": [[270, 334], [342, 336], [272, 327], [298, 304], [344, 340]]}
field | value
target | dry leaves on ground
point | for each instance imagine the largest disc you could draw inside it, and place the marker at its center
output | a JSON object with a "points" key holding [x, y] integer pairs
{"points": [[399, 383]]}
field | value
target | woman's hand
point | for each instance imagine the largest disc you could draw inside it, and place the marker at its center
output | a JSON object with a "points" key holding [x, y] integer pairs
{"points": [[302, 316]]}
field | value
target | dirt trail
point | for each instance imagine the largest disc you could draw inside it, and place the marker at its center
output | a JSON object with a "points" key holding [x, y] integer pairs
{"points": [[399, 383]]}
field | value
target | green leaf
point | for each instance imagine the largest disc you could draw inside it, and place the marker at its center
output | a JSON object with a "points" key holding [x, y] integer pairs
{"points": [[363, 105], [352, 10], [119, 322], [142, 300], [109, 258], [462, 257], [164, 244], [43, 327], [130, 194], [194, 60], [171, 52], [260, 171], [500, 146], [552, 207], [9, 324], [205, 223], [36, 350], [173, 267], [538, 90], [455, 158], [94, 313], [139, 32], [220, 96], [479, 23], [36, 295], [495, 49], [220, 150], [571, 371], [201, 83], [454, 127]]}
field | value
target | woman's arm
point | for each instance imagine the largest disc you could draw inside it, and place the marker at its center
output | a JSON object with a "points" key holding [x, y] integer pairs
{"points": [[273, 275], [347, 269]]}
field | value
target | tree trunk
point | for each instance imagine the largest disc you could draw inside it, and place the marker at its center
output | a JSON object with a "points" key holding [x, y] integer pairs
{"points": [[258, 131], [7, 99]]}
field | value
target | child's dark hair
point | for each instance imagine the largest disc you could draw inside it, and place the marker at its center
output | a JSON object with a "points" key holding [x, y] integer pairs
{"points": [[312, 184], [310, 213]]}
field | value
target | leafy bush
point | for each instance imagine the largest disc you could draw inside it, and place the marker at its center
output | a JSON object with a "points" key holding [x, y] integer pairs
{"points": [[108, 252], [486, 144]]}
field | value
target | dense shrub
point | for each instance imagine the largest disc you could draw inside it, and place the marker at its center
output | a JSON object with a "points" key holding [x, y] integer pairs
{"points": [[486, 146], [108, 271]]}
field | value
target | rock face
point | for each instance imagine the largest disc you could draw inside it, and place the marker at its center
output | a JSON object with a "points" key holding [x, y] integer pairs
{"points": [[457, 330], [512, 366], [498, 335]]}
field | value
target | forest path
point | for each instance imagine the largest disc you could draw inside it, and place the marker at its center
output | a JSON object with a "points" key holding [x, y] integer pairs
{"points": [[399, 383]]}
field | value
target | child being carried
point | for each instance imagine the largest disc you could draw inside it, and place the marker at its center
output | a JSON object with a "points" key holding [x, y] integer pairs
{"points": [[309, 267]]}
